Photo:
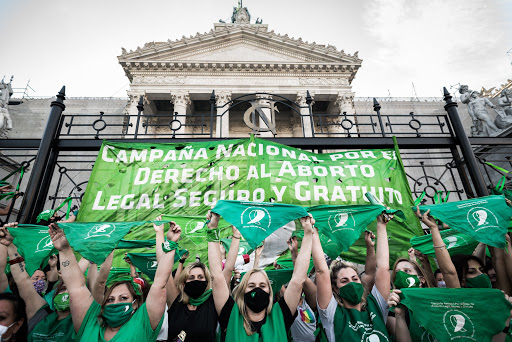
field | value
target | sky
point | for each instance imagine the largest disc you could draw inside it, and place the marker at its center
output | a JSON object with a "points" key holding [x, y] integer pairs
{"points": [[409, 47]]}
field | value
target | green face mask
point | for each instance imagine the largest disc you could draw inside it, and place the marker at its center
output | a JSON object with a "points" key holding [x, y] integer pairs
{"points": [[405, 281], [61, 301], [479, 282], [352, 292], [117, 314]]}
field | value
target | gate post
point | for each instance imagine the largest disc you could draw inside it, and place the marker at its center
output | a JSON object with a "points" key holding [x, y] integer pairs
{"points": [[28, 207], [465, 146]]}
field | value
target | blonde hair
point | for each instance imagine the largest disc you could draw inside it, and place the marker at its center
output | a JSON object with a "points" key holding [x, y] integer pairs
{"points": [[184, 276], [335, 268], [238, 296], [416, 267], [108, 292]]}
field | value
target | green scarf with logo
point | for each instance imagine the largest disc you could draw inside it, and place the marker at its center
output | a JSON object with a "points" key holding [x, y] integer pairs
{"points": [[243, 248], [129, 244], [485, 219], [34, 244], [257, 220], [146, 262], [95, 240], [343, 225], [456, 243], [458, 314], [272, 330]]}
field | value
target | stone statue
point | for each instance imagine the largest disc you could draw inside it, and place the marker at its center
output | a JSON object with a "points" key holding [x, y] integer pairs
{"points": [[5, 94], [504, 118], [476, 107]]}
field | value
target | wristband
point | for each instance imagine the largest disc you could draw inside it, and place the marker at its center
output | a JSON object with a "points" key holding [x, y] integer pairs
{"points": [[236, 237], [213, 235], [506, 330], [442, 246], [16, 261], [182, 261], [168, 246]]}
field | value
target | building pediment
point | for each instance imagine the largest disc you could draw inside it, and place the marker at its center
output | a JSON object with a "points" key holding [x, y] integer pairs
{"points": [[249, 47]]}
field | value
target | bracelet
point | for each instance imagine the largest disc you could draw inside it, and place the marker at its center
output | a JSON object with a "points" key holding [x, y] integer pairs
{"points": [[168, 246], [237, 237], [182, 261], [442, 246], [506, 330], [16, 261], [213, 235]]}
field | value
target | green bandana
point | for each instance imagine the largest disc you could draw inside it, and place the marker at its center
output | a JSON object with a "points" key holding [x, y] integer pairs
{"points": [[343, 225], [456, 243], [201, 299], [481, 281], [34, 244], [146, 262], [485, 219], [47, 214], [124, 277], [272, 330], [95, 240], [3, 182], [243, 248], [129, 244], [193, 227], [352, 292], [257, 220], [168, 246], [404, 280], [458, 314], [118, 314], [61, 302]]}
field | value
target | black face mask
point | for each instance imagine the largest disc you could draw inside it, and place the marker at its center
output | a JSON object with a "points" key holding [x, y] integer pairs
{"points": [[257, 300], [195, 288]]}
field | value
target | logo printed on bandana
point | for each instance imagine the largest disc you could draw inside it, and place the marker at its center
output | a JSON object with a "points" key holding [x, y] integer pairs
{"points": [[482, 218], [126, 308], [255, 217], [410, 281], [194, 231], [426, 337], [153, 264], [101, 230], [65, 298], [374, 336], [458, 325], [450, 241], [341, 221], [45, 244]]}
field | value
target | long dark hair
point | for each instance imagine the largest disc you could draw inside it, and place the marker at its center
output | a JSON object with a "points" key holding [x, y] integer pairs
{"points": [[19, 313], [461, 265]]}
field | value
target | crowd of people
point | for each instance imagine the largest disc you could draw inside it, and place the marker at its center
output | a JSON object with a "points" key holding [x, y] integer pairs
{"points": [[335, 301]]}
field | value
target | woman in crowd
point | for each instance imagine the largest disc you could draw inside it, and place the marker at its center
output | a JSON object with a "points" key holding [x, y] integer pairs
{"points": [[250, 315], [345, 314], [44, 324], [13, 320], [122, 316]]}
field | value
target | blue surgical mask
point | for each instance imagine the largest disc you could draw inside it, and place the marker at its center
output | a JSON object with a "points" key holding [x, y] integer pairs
{"points": [[441, 283]]}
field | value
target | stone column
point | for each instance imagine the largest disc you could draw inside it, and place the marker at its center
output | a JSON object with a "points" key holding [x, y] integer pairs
{"points": [[132, 110], [181, 101], [305, 118], [263, 99], [345, 102], [222, 129]]}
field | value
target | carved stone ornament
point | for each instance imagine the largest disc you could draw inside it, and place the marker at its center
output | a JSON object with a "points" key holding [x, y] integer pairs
{"points": [[180, 98], [159, 80], [323, 81], [222, 97]]}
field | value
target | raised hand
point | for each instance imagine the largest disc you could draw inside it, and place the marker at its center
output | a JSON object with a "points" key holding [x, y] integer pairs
{"points": [[214, 220], [307, 223], [394, 300], [426, 218], [185, 256], [259, 250], [60, 242], [158, 228], [293, 244], [236, 233], [174, 232], [52, 262], [369, 239], [5, 237]]}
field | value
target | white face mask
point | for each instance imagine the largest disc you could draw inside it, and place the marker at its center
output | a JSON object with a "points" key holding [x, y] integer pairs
{"points": [[3, 329], [441, 283]]}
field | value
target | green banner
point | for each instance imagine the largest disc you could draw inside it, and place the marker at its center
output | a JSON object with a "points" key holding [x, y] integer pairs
{"points": [[130, 244], [134, 182], [34, 244], [485, 219], [456, 243], [458, 314]]}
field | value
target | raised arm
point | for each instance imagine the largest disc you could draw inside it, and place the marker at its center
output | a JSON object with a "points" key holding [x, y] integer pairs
{"points": [[498, 260], [53, 274], [83, 264], [323, 276], [508, 258], [257, 256], [92, 275], [27, 291], [4, 282], [80, 296], [300, 270], [382, 277], [293, 246], [172, 291], [229, 266], [370, 266], [220, 289], [443, 257], [401, 330], [154, 303], [183, 258], [159, 232], [98, 288], [425, 266], [310, 293]]}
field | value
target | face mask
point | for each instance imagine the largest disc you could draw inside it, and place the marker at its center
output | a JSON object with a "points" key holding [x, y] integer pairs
{"points": [[352, 292], [257, 300], [441, 283], [61, 302], [118, 314], [40, 286], [405, 281], [195, 288], [479, 282], [3, 330]]}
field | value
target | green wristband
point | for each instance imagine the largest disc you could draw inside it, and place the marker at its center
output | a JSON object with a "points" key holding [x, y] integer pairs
{"points": [[213, 235], [168, 246]]}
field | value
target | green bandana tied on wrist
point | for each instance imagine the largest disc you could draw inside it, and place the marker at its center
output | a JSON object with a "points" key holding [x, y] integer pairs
{"points": [[47, 214], [201, 299], [168, 246], [257, 220], [458, 314], [485, 219]]}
